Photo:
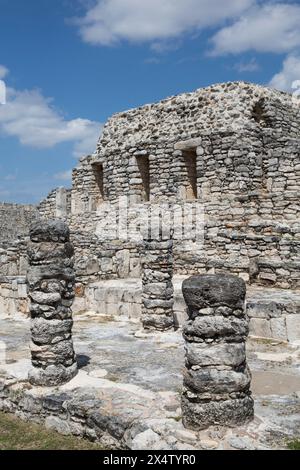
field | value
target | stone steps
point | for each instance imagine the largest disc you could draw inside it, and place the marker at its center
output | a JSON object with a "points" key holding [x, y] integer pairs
{"points": [[274, 313]]}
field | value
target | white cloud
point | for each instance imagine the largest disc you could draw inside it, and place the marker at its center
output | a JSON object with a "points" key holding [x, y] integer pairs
{"points": [[250, 66], [111, 21], [3, 71], [289, 74], [10, 177], [25, 190], [64, 175], [272, 27], [31, 117], [152, 60]]}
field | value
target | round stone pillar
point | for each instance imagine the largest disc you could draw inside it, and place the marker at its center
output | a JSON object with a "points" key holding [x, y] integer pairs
{"points": [[50, 281], [216, 378], [157, 291]]}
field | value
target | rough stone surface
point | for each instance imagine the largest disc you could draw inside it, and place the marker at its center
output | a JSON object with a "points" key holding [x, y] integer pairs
{"points": [[293, 328], [227, 412], [216, 379], [15, 220], [51, 293], [211, 291], [157, 287], [234, 149], [54, 230], [245, 143], [245, 139], [98, 408]]}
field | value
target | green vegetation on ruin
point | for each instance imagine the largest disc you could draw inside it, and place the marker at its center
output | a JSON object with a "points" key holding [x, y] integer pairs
{"points": [[294, 444], [19, 435]]}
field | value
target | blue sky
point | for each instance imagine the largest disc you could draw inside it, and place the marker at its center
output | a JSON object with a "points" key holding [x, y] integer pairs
{"points": [[70, 64]]}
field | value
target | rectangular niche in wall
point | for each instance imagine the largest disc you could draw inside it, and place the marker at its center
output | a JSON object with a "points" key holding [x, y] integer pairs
{"points": [[190, 161], [99, 180], [144, 171]]}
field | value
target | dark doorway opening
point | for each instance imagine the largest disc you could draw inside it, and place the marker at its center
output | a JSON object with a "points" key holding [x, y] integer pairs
{"points": [[144, 170], [99, 179], [190, 159]]}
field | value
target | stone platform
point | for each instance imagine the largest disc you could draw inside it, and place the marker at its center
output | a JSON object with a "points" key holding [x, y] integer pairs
{"points": [[13, 295], [274, 313], [127, 392]]}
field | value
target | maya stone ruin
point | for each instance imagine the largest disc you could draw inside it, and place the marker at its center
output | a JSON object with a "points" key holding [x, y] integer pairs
{"points": [[217, 378], [50, 281], [200, 184]]}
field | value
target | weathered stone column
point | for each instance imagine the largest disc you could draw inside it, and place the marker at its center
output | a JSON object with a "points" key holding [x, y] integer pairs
{"points": [[216, 379], [51, 280], [157, 295]]}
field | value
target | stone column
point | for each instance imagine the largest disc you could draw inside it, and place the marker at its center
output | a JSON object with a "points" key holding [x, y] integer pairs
{"points": [[216, 378], [61, 203], [2, 353], [157, 295], [50, 281]]}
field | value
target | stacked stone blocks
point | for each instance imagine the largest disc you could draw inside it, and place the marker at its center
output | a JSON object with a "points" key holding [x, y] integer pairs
{"points": [[216, 378], [51, 280], [157, 287]]}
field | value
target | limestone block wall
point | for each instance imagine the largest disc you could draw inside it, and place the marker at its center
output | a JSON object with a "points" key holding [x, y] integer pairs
{"points": [[13, 296], [274, 313], [120, 298], [14, 221], [87, 187], [56, 204], [13, 258], [13, 267], [242, 141], [96, 259]]}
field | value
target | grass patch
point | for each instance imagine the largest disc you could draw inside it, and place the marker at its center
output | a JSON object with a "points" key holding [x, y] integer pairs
{"points": [[19, 435], [293, 445], [112, 378], [266, 341], [177, 418]]}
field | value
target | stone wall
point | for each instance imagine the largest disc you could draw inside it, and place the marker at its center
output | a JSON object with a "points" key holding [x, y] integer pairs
{"points": [[231, 148], [95, 259], [120, 299], [246, 153], [13, 258], [14, 221], [56, 204], [243, 141], [13, 296], [274, 313]]}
